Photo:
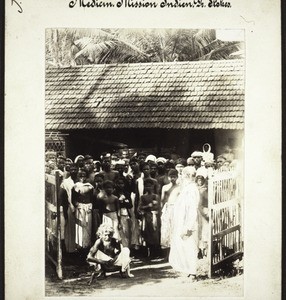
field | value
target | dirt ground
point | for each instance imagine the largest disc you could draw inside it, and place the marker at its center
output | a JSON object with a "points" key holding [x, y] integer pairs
{"points": [[153, 278]]}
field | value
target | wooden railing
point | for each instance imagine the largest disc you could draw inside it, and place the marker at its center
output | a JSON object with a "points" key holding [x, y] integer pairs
{"points": [[225, 207], [53, 222]]}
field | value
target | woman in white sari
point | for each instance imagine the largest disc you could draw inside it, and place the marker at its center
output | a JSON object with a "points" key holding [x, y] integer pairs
{"points": [[184, 240]]}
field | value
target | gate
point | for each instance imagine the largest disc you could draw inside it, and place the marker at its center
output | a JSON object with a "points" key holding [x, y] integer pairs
{"points": [[53, 222], [225, 211]]}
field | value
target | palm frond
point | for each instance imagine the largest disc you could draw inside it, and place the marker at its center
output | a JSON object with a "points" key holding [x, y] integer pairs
{"points": [[108, 51], [224, 51]]}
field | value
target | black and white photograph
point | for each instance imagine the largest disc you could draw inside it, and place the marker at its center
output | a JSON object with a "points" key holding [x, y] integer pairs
{"points": [[142, 149], [144, 154]]}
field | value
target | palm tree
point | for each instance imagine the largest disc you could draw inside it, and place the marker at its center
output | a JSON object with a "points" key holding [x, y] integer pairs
{"points": [[69, 47]]}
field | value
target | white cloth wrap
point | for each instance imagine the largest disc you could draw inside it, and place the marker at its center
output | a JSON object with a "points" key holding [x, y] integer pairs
{"points": [[123, 260]]}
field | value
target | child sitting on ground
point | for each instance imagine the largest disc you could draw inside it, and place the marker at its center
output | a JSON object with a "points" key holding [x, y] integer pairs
{"points": [[107, 254]]}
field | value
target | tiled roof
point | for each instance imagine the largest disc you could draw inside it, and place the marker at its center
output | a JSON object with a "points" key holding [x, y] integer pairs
{"points": [[178, 95]]}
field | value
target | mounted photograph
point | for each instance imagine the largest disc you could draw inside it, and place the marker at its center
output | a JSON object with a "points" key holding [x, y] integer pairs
{"points": [[144, 162]]}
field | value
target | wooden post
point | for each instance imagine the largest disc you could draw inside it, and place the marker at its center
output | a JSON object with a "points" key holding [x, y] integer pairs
{"points": [[59, 248], [46, 218], [210, 208]]}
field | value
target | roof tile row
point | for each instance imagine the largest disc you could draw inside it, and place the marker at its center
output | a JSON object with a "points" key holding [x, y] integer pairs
{"points": [[182, 95]]}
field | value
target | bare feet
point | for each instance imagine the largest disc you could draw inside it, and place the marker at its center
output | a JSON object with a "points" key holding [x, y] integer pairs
{"points": [[126, 274], [91, 278], [123, 274], [101, 275]]}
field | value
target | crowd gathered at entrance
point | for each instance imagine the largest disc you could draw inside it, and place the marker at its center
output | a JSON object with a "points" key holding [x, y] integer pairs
{"points": [[116, 207]]}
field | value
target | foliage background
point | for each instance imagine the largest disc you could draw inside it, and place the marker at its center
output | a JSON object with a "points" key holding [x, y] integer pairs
{"points": [[71, 47]]}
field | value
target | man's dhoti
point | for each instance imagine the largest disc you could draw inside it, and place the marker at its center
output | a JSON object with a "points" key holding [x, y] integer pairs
{"points": [[123, 260]]}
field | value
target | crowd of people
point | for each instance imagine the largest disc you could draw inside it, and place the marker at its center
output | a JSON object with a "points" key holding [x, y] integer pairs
{"points": [[119, 206]]}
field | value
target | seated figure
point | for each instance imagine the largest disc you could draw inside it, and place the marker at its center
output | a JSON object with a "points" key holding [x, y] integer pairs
{"points": [[108, 254]]}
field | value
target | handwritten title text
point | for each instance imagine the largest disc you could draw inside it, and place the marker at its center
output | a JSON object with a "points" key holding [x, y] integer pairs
{"points": [[149, 4]]}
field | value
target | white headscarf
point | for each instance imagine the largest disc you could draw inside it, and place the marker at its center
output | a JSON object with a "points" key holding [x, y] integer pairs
{"points": [[77, 158]]}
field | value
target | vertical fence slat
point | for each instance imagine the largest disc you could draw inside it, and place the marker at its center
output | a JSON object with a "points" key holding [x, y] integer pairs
{"points": [[211, 200], [59, 248]]}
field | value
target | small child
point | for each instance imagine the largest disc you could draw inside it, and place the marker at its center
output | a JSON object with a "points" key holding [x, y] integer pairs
{"points": [[110, 208], [108, 254], [98, 193], [149, 206], [125, 204]]}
